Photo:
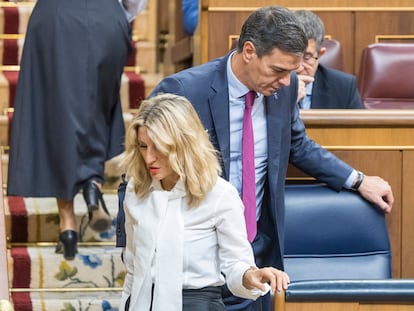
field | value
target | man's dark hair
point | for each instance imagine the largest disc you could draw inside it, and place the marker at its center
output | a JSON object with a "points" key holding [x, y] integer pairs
{"points": [[312, 25], [273, 27]]}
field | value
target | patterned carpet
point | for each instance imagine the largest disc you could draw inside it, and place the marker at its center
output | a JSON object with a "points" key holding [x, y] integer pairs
{"points": [[43, 280], [66, 301]]}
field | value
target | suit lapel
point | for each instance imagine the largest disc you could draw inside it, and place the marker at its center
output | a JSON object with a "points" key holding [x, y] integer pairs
{"points": [[274, 120], [279, 131], [319, 91], [219, 107]]}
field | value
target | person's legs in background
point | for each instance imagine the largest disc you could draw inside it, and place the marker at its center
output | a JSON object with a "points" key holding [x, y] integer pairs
{"points": [[99, 218], [68, 236]]}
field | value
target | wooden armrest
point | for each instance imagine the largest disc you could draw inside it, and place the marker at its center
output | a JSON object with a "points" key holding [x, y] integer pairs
{"points": [[278, 301]]}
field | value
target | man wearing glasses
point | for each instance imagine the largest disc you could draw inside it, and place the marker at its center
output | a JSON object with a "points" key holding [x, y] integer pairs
{"points": [[321, 87]]}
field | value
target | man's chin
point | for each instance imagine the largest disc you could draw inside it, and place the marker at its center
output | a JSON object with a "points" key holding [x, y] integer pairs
{"points": [[270, 92]]}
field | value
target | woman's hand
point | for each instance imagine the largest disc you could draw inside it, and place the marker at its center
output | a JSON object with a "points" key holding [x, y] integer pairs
{"points": [[255, 278]]}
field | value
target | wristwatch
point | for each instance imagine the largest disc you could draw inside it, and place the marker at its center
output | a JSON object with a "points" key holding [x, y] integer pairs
{"points": [[360, 178]]}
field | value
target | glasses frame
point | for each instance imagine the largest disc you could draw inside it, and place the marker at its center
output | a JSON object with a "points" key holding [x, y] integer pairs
{"points": [[307, 57]]}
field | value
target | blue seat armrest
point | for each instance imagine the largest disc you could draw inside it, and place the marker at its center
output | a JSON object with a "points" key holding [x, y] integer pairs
{"points": [[386, 290]]}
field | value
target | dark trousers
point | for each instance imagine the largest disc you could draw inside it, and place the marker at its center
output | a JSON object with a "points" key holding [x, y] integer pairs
{"points": [[203, 299]]}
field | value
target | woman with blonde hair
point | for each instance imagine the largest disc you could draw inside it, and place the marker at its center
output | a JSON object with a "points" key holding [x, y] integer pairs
{"points": [[185, 229]]}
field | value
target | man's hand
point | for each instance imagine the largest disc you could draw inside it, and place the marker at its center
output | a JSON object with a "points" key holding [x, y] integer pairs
{"points": [[303, 80], [378, 191], [255, 278]]}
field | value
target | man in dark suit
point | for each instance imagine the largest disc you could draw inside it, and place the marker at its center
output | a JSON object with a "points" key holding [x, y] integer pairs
{"points": [[321, 87], [270, 49]]}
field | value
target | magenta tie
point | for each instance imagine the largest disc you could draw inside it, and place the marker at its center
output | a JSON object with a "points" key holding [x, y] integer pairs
{"points": [[248, 171]]}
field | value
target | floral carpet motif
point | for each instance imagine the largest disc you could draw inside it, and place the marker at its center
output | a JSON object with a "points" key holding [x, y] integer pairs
{"points": [[43, 280], [37, 220], [67, 301]]}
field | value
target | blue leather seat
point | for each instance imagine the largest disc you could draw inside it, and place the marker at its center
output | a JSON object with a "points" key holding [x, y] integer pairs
{"points": [[334, 235], [337, 250]]}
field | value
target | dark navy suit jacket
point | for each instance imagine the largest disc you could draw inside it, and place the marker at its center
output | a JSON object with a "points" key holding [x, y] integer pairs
{"points": [[206, 87], [334, 89]]}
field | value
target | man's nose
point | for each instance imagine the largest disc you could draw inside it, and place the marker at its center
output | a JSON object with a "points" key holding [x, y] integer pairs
{"points": [[285, 80]]}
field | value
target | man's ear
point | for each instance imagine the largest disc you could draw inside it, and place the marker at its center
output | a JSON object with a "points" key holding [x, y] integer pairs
{"points": [[249, 50], [322, 51]]}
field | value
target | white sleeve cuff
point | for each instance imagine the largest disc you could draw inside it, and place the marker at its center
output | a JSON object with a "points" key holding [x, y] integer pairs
{"points": [[350, 180], [132, 8], [235, 284]]}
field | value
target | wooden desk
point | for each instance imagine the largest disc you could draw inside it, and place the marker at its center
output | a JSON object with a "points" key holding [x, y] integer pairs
{"points": [[377, 142]]}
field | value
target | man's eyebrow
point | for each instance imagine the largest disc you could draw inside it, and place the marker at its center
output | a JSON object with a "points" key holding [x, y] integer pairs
{"points": [[277, 68]]}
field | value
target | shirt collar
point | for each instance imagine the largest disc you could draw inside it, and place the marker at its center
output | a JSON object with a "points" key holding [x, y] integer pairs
{"points": [[177, 191], [236, 88]]}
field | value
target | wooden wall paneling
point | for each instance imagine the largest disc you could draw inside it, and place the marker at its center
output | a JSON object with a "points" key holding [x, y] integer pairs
{"points": [[360, 127], [222, 25], [360, 136], [201, 49], [372, 23], [344, 34], [407, 254]]}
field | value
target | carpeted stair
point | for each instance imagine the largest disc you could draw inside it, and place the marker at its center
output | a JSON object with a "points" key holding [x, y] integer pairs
{"points": [[43, 280]]}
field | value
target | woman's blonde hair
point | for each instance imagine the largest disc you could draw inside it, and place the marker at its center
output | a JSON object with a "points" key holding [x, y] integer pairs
{"points": [[176, 130]]}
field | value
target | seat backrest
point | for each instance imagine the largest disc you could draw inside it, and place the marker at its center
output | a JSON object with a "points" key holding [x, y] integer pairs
{"points": [[333, 56], [334, 235], [385, 76]]}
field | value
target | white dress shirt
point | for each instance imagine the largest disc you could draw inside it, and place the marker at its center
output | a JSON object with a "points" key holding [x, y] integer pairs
{"points": [[305, 103], [213, 241], [132, 8]]}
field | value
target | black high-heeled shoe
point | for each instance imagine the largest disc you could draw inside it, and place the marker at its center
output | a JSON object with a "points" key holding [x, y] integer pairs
{"points": [[68, 240], [99, 218]]}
